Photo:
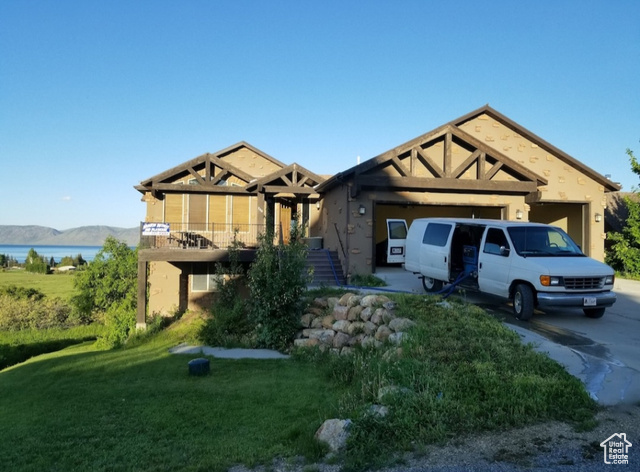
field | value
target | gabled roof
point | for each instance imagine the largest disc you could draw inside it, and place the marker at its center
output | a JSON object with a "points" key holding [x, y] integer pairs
{"points": [[293, 178], [406, 159], [216, 170], [605, 182]]}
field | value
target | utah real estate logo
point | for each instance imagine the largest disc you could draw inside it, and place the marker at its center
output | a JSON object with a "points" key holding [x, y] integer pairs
{"points": [[616, 449]]}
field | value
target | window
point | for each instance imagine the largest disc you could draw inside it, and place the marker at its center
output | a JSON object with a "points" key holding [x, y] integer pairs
{"points": [[203, 278], [397, 230], [494, 241], [436, 234]]}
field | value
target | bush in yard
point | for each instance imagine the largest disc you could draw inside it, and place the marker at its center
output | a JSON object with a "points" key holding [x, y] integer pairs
{"points": [[109, 285], [228, 325], [37, 312], [624, 252], [277, 282]]}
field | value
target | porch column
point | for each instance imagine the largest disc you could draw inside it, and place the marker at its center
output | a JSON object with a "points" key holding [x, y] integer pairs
{"points": [[141, 321]]}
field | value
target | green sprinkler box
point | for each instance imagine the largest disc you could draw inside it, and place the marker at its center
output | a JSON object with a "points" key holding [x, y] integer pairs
{"points": [[199, 366]]}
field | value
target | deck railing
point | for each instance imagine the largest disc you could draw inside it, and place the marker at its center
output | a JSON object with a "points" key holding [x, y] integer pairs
{"points": [[199, 235]]}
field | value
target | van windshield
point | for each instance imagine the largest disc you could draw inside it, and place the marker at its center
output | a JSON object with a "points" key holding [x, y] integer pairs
{"points": [[543, 241]]}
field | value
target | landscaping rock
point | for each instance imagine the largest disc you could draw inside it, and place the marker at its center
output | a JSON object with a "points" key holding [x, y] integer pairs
{"points": [[334, 433], [344, 300], [401, 324], [306, 320], [341, 325], [332, 302], [390, 305], [387, 316], [354, 301], [340, 340], [327, 321], [346, 351], [396, 338], [382, 333], [355, 328], [325, 336], [340, 312], [377, 316], [365, 314], [368, 300], [356, 340], [316, 323], [354, 312], [320, 302], [370, 328], [306, 342]]}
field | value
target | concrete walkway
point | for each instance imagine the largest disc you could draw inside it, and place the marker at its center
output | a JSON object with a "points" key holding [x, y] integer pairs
{"points": [[223, 353]]}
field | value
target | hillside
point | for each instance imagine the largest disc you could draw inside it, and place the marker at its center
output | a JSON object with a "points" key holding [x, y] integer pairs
{"points": [[82, 236]]}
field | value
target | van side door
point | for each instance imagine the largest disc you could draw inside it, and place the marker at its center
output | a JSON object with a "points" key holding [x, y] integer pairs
{"points": [[494, 263], [396, 237], [435, 251]]}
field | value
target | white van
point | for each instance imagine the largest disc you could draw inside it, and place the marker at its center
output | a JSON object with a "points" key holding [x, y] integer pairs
{"points": [[533, 264]]}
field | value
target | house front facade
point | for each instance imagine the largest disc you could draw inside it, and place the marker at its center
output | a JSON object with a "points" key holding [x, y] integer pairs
{"points": [[481, 165]]}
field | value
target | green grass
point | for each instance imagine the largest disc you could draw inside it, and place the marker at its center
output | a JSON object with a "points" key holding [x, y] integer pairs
{"points": [[138, 409], [18, 346], [367, 280], [459, 372], [52, 285]]}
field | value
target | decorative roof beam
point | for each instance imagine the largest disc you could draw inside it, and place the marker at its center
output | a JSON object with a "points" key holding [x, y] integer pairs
{"points": [[447, 184], [197, 176], [462, 168], [493, 171], [447, 154], [429, 163], [399, 167]]}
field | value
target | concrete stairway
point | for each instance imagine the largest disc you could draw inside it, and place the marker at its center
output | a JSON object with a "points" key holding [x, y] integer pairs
{"points": [[323, 273]]}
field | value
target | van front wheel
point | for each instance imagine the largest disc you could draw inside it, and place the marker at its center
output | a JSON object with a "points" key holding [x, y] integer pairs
{"points": [[431, 285], [523, 302]]}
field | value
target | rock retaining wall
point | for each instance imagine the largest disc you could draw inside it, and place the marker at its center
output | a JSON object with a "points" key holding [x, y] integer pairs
{"points": [[341, 323]]}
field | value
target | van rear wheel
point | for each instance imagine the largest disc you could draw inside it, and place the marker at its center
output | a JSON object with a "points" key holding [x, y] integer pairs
{"points": [[431, 285], [523, 302], [594, 312]]}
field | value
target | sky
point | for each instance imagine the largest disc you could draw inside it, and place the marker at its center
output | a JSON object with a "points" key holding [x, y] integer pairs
{"points": [[96, 96]]}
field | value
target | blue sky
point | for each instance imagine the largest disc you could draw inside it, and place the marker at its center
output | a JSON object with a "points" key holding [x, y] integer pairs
{"points": [[96, 96]]}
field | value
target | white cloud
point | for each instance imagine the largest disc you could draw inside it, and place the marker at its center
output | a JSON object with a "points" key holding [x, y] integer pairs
{"points": [[66, 198]]}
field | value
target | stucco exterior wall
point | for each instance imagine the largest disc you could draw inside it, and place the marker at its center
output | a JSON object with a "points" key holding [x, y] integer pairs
{"points": [[250, 162], [566, 183], [164, 288]]}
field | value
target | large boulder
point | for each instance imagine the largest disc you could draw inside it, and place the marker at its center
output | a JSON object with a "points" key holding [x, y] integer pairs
{"points": [[306, 342], [365, 314], [327, 321], [354, 312], [354, 328], [340, 312], [334, 433], [382, 333]]}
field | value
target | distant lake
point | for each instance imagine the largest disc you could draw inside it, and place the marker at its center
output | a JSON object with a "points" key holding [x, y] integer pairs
{"points": [[58, 252]]}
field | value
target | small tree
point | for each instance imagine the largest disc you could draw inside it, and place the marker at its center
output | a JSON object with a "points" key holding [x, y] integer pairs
{"points": [[277, 282], [624, 252], [36, 263], [109, 286]]}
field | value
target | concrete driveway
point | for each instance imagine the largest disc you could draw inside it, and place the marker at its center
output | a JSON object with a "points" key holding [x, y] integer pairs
{"points": [[603, 353]]}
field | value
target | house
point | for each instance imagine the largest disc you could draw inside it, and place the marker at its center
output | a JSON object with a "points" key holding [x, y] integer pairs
{"points": [[481, 165], [199, 206]]}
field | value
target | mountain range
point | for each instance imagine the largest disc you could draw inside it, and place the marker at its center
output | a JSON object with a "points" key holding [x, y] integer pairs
{"points": [[82, 236]]}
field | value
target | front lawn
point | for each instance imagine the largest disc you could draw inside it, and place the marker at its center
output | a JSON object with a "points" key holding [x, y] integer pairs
{"points": [[459, 371]]}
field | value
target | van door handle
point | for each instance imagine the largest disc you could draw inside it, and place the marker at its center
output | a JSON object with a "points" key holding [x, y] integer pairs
{"points": [[480, 266]]}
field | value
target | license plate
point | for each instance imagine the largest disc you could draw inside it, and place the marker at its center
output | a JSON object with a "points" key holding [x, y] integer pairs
{"points": [[590, 301], [396, 250]]}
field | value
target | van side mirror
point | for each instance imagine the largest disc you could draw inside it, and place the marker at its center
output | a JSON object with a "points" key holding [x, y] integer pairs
{"points": [[504, 251]]}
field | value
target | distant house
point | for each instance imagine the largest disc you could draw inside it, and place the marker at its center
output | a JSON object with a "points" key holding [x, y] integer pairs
{"points": [[480, 165], [66, 268]]}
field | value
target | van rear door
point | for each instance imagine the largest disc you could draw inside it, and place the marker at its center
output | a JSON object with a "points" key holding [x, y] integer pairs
{"points": [[396, 237], [435, 252]]}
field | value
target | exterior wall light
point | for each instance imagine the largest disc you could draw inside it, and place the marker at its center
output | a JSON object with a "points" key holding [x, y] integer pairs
{"points": [[362, 210], [519, 214], [318, 205], [598, 217]]}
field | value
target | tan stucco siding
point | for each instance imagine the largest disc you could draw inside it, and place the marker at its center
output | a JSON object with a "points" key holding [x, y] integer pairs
{"points": [[164, 288], [155, 209], [251, 162], [566, 183]]}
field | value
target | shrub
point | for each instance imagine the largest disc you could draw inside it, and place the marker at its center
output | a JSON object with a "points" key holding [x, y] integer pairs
{"points": [[277, 282], [19, 313], [368, 280], [36, 263], [109, 285], [228, 325]]}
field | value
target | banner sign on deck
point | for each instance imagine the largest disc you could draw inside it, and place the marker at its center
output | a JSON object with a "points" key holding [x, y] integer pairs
{"points": [[155, 229]]}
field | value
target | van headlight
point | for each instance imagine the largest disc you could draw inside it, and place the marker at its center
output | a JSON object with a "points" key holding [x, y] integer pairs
{"points": [[550, 281], [609, 279]]}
